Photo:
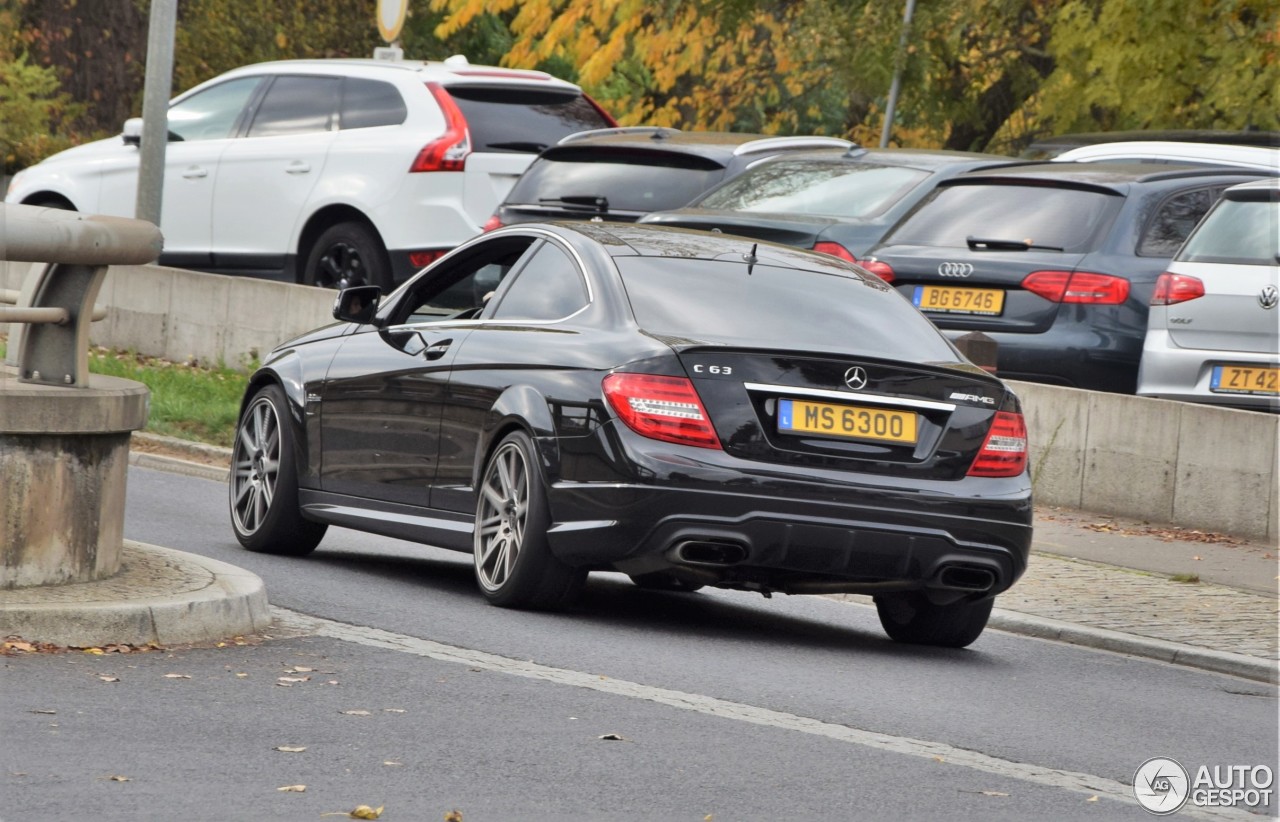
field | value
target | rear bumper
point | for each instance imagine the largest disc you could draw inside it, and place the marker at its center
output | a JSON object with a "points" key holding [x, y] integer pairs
{"points": [[727, 522], [1173, 373]]}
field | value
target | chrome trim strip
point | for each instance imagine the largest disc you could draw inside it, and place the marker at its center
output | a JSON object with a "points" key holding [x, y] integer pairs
{"points": [[850, 396]]}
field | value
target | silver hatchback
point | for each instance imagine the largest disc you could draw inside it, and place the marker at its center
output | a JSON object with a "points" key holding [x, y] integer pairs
{"points": [[1213, 334]]}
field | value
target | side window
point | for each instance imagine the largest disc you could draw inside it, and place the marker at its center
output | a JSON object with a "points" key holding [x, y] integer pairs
{"points": [[1173, 221], [548, 287], [212, 114], [462, 289], [297, 105], [369, 103]]}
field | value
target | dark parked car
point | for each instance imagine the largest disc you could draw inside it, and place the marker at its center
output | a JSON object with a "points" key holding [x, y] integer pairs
{"points": [[624, 173], [562, 398], [840, 203], [1056, 261]]}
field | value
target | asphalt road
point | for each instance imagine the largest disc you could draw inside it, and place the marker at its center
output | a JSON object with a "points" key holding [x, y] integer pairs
{"points": [[729, 706]]}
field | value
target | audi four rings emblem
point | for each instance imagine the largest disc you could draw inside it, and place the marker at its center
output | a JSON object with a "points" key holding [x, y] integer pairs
{"points": [[856, 378], [955, 269], [1269, 297]]}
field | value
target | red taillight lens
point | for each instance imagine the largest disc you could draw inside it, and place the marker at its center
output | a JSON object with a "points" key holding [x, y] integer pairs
{"points": [[879, 268], [1172, 289], [1004, 453], [835, 250], [422, 259], [661, 408], [449, 151], [493, 222], [1077, 287]]}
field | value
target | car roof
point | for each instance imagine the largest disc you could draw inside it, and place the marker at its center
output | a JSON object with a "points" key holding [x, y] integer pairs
{"points": [[922, 158], [710, 144], [1113, 176], [454, 70], [1259, 157], [1254, 190], [1047, 147]]}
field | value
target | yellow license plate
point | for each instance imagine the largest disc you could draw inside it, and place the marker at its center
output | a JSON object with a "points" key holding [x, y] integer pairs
{"points": [[846, 421], [950, 300], [1245, 379]]}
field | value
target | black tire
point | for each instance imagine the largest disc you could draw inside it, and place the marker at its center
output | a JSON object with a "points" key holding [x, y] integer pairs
{"points": [[263, 488], [514, 565], [660, 581], [913, 619], [348, 254]]}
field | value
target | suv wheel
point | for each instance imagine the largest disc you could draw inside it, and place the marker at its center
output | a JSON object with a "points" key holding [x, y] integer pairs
{"points": [[348, 254], [913, 619]]}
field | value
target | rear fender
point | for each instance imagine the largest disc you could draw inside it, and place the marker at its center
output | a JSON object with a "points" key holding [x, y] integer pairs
{"points": [[519, 407]]}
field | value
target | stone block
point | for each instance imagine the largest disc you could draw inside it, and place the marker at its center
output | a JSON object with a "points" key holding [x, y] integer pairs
{"points": [[1131, 455]]}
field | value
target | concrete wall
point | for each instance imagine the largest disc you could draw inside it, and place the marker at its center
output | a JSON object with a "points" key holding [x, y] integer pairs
{"points": [[1197, 466]]}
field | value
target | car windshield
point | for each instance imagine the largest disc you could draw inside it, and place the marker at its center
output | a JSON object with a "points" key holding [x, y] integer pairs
{"points": [[845, 189], [767, 306], [1047, 216], [627, 180], [522, 119], [1237, 232]]}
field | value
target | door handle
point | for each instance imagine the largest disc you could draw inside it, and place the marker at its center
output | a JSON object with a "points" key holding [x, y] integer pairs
{"points": [[195, 173], [298, 167], [437, 349]]}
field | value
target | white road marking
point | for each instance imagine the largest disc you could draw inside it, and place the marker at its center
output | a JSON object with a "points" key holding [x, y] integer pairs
{"points": [[1049, 777]]}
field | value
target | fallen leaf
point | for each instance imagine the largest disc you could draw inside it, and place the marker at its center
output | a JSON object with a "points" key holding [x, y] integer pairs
{"points": [[453, 816], [298, 669], [293, 789], [1197, 559], [357, 713], [44, 712], [994, 793], [394, 710], [177, 676], [392, 763], [241, 676], [106, 678], [359, 812], [290, 748], [939, 759], [615, 737], [1092, 799], [708, 817], [293, 679], [18, 645], [118, 778]]}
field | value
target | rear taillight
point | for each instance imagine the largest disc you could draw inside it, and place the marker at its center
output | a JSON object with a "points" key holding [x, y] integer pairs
{"points": [[835, 250], [422, 259], [493, 222], [1172, 289], [661, 408], [879, 268], [608, 118], [449, 151], [1077, 287], [1004, 453]]}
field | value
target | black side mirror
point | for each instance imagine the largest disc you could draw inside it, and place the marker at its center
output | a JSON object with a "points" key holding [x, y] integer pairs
{"points": [[357, 304]]}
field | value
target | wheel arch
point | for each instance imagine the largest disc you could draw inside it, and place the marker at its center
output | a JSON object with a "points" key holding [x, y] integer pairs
{"points": [[286, 375], [49, 199], [324, 219], [520, 407]]}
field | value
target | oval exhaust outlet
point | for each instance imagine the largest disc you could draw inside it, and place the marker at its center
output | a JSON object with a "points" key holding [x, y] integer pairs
{"points": [[710, 552], [963, 578]]}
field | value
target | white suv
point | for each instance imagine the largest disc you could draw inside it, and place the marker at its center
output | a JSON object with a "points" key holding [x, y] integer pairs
{"points": [[327, 172]]}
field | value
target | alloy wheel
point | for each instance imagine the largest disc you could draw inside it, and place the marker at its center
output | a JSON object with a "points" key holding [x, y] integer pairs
{"points": [[341, 266], [502, 516], [255, 466]]}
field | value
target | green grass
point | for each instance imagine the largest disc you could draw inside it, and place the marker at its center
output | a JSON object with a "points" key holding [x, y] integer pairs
{"points": [[190, 402]]}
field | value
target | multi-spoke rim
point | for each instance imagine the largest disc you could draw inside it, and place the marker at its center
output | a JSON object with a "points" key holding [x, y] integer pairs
{"points": [[501, 516], [340, 266], [255, 466]]}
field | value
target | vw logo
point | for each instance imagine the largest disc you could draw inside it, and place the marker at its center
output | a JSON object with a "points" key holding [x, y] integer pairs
{"points": [[1269, 297], [856, 378], [955, 269]]}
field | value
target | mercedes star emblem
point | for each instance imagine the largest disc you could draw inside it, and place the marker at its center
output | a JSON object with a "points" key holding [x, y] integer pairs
{"points": [[856, 378]]}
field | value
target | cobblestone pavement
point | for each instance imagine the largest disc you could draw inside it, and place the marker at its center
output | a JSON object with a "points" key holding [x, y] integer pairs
{"points": [[143, 573]]}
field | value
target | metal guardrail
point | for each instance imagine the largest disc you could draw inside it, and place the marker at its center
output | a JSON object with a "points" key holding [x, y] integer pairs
{"points": [[53, 310]]}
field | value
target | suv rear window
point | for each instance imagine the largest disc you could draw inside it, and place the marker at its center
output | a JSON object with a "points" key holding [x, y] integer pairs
{"points": [[522, 119], [825, 312], [629, 180], [1239, 233], [815, 187], [1069, 219]]}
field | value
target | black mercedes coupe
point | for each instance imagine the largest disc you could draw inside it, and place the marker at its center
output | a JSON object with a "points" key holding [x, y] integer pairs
{"points": [[686, 408]]}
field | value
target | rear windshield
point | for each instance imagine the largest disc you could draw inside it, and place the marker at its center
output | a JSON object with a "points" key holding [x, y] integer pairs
{"points": [[1237, 232], [1064, 218], [523, 119], [814, 187], [774, 307], [627, 180]]}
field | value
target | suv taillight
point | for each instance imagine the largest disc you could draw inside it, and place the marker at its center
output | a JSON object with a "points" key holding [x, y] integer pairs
{"points": [[878, 267], [1004, 453], [1172, 289], [661, 408], [449, 151], [492, 223], [1077, 287]]}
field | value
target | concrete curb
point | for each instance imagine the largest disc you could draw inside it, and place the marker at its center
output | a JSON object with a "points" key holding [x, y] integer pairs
{"points": [[195, 599]]}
